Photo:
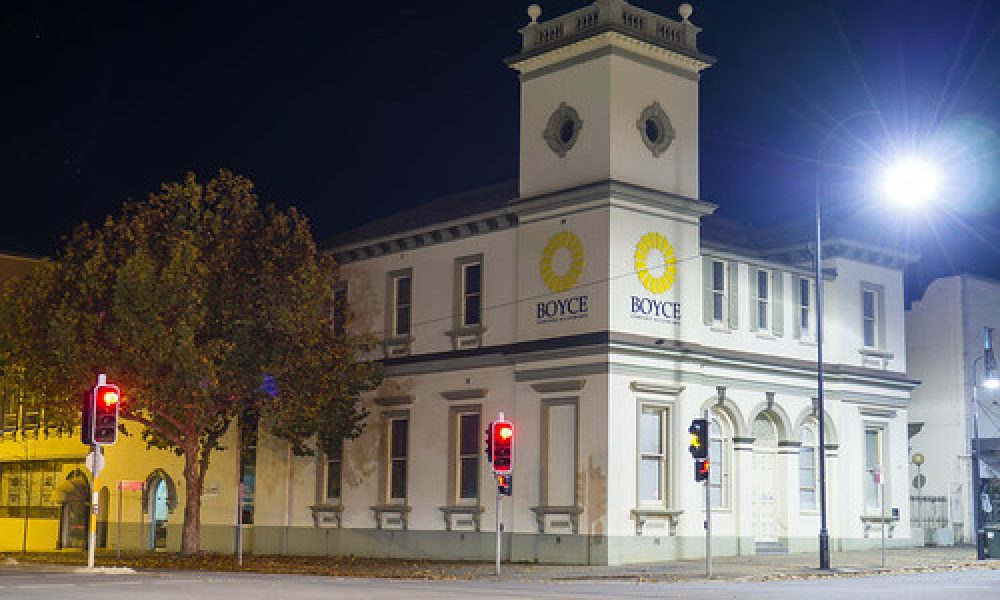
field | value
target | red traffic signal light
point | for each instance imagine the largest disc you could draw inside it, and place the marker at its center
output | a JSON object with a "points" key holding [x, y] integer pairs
{"points": [[503, 446], [104, 420], [699, 438], [701, 468]]}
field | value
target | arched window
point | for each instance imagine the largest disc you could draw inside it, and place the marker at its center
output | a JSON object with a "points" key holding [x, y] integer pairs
{"points": [[718, 456], [807, 468]]}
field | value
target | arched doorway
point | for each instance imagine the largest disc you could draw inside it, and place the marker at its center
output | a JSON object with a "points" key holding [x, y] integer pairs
{"points": [[159, 497], [73, 495], [765, 479]]}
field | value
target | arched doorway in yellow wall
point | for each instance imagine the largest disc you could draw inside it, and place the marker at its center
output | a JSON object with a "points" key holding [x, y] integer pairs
{"points": [[159, 498], [73, 496]]}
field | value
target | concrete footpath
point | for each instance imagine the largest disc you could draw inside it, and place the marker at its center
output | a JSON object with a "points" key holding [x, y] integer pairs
{"points": [[763, 567]]}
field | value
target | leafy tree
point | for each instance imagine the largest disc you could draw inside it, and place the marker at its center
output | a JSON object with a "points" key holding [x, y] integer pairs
{"points": [[203, 306]]}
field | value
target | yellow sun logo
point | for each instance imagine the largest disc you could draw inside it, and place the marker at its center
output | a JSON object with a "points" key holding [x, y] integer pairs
{"points": [[648, 243], [565, 249]]}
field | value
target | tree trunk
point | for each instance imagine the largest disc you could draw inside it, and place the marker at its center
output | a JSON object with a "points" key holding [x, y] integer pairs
{"points": [[193, 478]]}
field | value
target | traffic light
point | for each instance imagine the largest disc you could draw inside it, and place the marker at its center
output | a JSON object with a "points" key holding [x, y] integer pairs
{"points": [[701, 467], [505, 484], [105, 417], [699, 438], [503, 446], [87, 431], [489, 442]]}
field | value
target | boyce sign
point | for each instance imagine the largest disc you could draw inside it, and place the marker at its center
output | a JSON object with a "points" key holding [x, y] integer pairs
{"points": [[560, 268], [656, 268]]}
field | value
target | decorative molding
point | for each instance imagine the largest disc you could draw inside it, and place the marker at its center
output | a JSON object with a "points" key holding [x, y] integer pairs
{"points": [[551, 387], [401, 400], [884, 413], [467, 394], [665, 389]]}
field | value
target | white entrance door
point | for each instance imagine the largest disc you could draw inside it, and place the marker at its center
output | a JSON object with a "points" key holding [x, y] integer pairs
{"points": [[765, 481]]}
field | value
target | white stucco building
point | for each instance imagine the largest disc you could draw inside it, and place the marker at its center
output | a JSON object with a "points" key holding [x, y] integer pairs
{"points": [[599, 304], [945, 336]]}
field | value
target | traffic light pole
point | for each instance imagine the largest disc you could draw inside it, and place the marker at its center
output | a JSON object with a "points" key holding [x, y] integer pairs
{"points": [[499, 525], [708, 517], [95, 457]]}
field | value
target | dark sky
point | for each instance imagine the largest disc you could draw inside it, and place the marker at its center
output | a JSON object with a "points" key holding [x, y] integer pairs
{"points": [[350, 110]]}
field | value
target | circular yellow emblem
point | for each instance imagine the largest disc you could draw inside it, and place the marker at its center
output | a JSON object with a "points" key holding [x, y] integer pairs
{"points": [[647, 244], [565, 250]]}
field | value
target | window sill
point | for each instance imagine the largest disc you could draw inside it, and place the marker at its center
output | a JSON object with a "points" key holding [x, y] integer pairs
{"points": [[398, 346], [463, 338], [391, 516], [568, 524], [720, 328], [765, 335], [873, 357], [642, 515], [327, 515], [808, 341], [873, 523], [462, 517]]}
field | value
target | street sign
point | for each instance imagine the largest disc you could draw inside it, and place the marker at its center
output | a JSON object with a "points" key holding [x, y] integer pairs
{"points": [[131, 485], [89, 462]]}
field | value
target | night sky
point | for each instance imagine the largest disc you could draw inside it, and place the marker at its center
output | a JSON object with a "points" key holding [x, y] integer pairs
{"points": [[351, 110]]}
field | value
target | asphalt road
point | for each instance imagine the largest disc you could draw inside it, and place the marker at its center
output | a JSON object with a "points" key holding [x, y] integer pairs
{"points": [[974, 584]]}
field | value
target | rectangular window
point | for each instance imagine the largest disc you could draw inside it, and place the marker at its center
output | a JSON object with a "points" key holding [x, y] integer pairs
{"points": [[869, 317], [807, 470], [652, 455], [468, 457], [873, 459], [559, 453], [718, 465], [804, 308], [718, 291], [334, 472], [340, 309], [472, 294], [763, 299], [398, 431], [402, 305], [10, 409]]}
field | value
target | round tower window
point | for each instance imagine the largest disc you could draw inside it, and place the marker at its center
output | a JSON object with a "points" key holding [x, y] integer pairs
{"points": [[655, 129], [563, 129]]}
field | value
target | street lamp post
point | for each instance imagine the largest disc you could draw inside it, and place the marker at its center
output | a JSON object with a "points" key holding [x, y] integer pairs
{"points": [[910, 181], [990, 380], [824, 536]]}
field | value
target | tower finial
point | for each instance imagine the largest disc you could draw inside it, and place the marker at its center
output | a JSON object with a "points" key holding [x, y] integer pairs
{"points": [[534, 11], [685, 11]]}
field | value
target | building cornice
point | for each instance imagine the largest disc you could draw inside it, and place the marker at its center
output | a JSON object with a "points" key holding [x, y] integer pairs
{"points": [[606, 343]]}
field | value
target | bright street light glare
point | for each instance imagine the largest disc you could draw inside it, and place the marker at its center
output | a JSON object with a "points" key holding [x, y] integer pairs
{"points": [[911, 182]]}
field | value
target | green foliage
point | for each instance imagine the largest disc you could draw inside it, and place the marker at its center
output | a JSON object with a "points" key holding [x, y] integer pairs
{"points": [[188, 301]]}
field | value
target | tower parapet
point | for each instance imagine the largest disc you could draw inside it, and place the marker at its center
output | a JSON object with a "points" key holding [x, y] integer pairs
{"points": [[610, 15]]}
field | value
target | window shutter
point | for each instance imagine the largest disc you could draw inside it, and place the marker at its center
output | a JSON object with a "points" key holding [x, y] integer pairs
{"points": [[797, 307], [752, 290], [777, 293], [881, 341], [732, 285], [706, 274]]}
